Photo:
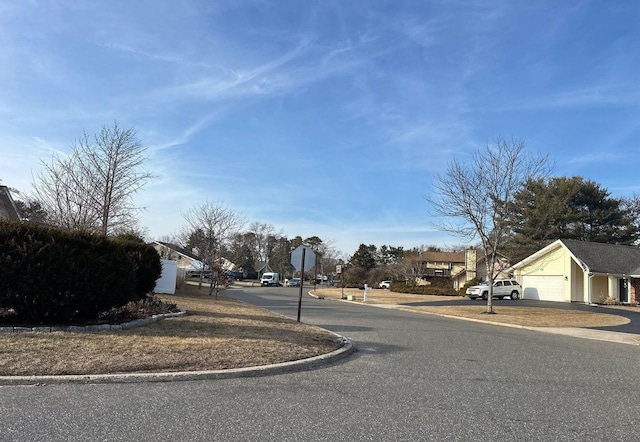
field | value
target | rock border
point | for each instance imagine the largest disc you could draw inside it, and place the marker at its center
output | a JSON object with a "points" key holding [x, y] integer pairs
{"points": [[95, 328]]}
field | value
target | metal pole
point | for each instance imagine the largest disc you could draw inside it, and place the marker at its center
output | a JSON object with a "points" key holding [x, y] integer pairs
{"points": [[315, 273], [301, 283]]}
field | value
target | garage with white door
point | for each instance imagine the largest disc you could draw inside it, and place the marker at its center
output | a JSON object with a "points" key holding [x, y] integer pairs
{"points": [[543, 287]]}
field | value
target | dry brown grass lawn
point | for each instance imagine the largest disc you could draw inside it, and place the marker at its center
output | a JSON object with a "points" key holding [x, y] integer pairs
{"points": [[529, 316], [215, 334], [512, 314]]}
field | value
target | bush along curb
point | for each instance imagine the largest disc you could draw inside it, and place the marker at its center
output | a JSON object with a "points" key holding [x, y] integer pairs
{"points": [[95, 328]]}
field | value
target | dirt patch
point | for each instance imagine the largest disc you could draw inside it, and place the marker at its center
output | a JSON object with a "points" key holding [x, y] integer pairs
{"points": [[215, 334], [515, 315]]}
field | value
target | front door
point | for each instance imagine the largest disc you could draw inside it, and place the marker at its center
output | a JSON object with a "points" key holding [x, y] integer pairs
{"points": [[624, 290]]}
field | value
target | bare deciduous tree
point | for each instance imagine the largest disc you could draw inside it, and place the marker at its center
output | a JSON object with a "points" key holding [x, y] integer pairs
{"points": [[262, 233], [214, 225], [476, 197], [92, 188]]}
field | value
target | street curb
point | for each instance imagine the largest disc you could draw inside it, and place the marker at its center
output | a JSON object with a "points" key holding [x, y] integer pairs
{"points": [[263, 370], [576, 332]]}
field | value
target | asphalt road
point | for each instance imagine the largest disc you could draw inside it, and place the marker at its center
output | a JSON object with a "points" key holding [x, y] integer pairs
{"points": [[414, 377]]}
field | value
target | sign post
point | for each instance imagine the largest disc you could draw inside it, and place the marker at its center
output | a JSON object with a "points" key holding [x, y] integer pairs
{"points": [[302, 257], [301, 283]]}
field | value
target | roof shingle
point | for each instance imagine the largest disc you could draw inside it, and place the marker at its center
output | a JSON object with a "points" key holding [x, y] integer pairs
{"points": [[606, 258]]}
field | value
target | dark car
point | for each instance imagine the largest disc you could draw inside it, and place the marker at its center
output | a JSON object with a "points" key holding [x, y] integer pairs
{"points": [[238, 276]]}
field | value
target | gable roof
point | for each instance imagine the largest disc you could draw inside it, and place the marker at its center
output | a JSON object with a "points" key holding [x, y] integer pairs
{"points": [[262, 265], [595, 257], [180, 250], [606, 258], [8, 208]]}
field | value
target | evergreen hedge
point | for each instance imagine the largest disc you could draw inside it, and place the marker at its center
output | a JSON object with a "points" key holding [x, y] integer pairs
{"points": [[50, 276], [146, 265], [402, 287]]}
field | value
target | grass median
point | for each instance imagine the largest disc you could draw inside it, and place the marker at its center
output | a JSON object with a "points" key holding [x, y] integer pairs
{"points": [[215, 334]]}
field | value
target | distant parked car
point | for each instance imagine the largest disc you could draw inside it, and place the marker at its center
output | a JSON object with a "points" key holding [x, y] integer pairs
{"points": [[196, 274], [501, 289], [384, 284], [238, 276], [294, 282]]}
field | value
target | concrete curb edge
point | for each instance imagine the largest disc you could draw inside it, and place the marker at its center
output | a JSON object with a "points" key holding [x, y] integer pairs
{"points": [[576, 332], [263, 370]]}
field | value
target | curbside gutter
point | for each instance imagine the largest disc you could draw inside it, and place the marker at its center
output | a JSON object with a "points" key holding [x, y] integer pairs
{"points": [[263, 370]]}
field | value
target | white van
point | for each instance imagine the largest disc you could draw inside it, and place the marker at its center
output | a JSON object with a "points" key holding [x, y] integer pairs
{"points": [[270, 279]]}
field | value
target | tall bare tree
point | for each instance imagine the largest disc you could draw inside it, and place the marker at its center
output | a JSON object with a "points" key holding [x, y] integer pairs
{"points": [[93, 187], [210, 227], [263, 239], [476, 197]]}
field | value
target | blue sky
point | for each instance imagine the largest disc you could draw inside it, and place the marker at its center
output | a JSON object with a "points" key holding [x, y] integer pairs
{"points": [[325, 118]]}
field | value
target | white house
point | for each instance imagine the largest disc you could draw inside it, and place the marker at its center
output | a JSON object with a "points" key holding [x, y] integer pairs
{"points": [[580, 271]]}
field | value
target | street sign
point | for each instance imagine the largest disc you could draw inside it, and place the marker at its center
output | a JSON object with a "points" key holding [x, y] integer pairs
{"points": [[309, 258]]}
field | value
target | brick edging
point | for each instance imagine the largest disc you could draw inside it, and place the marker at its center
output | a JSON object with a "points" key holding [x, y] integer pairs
{"points": [[94, 328]]}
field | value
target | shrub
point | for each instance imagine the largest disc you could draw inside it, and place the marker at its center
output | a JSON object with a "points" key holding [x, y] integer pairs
{"points": [[146, 265], [50, 276], [142, 308], [402, 287], [608, 300], [439, 281], [463, 290]]}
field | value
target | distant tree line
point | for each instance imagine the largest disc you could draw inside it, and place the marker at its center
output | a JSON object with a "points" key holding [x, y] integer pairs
{"points": [[214, 231]]}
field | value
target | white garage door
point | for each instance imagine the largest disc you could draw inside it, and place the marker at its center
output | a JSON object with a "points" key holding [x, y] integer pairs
{"points": [[544, 288]]}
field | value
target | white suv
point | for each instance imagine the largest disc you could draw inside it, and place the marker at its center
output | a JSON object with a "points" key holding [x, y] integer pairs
{"points": [[501, 289]]}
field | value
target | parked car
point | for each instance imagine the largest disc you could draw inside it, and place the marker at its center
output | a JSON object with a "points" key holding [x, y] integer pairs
{"points": [[196, 274], [294, 282], [384, 284], [238, 276], [501, 289]]}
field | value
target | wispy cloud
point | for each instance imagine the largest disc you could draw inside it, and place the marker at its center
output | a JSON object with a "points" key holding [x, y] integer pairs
{"points": [[240, 83], [178, 60], [187, 134], [587, 157], [595, 96]]}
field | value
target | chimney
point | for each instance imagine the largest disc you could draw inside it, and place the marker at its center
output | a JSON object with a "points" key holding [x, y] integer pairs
{"points": [[470, 262]]}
